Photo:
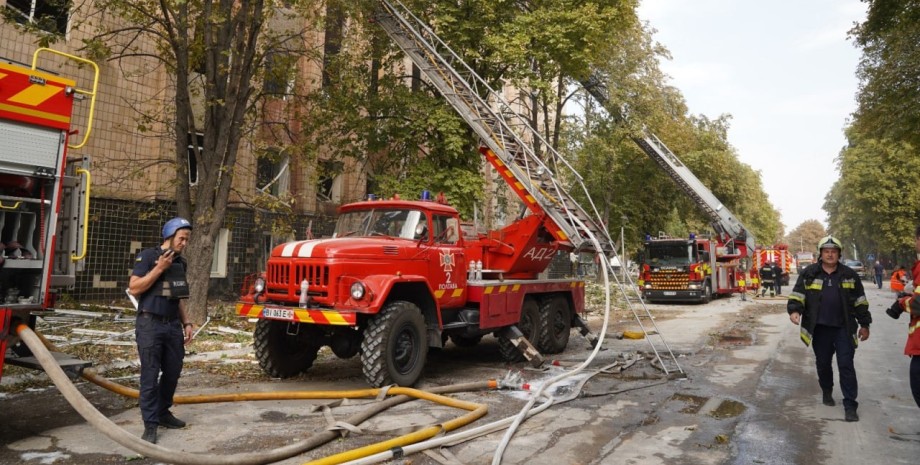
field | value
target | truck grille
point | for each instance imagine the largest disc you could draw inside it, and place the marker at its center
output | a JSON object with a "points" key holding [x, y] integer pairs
{"points": [[285, 278], [670, 280]]}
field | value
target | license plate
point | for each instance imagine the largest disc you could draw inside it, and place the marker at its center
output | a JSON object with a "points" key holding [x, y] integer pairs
{"points": [[279, 313], [670, 293]]}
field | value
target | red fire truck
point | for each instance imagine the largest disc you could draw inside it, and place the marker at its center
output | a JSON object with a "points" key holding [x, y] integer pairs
{"points": [[778, 254], [400, 277], [44, 196], [691, 268]]}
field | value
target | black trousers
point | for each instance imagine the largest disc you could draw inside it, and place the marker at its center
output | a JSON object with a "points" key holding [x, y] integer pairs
{"points": [[915, 378], [160, 346], [828, 341]]}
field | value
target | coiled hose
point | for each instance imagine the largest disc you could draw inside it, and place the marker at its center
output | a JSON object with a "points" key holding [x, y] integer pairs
{"points": [[103, 424]]}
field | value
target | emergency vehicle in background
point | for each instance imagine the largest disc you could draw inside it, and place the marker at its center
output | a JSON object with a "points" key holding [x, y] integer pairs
{"points": [[44, 198], [399, 276], [697, 267], [779, 255]]}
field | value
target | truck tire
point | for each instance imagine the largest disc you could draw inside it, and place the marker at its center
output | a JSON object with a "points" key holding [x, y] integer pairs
{"points": [[530, 317], [555, 325], [282, 355], [707, 293], [395, 345]]}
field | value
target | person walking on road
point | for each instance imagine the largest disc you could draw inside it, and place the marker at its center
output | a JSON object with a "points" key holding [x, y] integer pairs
{"points": [[829, 305], [879, 272], [898, 279], [910, 304], [778, 278], [162, 326]]}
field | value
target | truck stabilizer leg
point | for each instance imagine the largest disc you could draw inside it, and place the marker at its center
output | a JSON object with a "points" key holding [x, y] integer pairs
{"points": [[584, 330], [527, 349]]}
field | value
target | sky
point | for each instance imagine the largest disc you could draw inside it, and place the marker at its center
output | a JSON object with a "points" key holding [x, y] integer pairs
{"points": [[786, 73]]}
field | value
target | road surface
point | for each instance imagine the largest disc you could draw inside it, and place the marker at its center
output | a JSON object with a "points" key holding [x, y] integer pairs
{"points": [[750, 397]]}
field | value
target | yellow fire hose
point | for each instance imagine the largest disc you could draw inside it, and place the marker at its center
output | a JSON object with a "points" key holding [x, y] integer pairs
{"points": [[37, 345]]}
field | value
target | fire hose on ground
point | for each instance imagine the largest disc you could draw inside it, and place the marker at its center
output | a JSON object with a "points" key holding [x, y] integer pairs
{"points": [[119, 435]]}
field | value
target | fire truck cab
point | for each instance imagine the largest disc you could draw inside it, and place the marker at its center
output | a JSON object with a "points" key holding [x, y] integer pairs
{"points": [[693, 269]]}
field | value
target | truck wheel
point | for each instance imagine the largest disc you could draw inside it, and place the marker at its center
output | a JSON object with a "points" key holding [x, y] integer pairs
{"points": [[530, 317], [555, 325], [707, 293], [282, 355], [395, 346], [465, 341]]}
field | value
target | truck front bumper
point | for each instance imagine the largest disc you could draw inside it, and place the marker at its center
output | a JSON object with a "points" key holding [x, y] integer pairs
{"points": [[685, 295]]}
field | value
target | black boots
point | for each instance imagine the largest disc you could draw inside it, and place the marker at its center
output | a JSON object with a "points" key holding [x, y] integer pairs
{"points": [[150, 433], [167, 420], [828, 399], [849, 414]]}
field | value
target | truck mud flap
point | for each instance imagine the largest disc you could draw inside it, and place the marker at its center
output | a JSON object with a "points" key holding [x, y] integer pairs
{"points": [[513, 334]]}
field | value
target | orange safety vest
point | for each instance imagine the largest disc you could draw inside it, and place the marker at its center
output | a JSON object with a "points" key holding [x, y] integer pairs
{"points": [[897, 280]]}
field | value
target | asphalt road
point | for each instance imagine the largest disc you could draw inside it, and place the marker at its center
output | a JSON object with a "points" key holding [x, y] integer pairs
{"points": [[750, 397]]}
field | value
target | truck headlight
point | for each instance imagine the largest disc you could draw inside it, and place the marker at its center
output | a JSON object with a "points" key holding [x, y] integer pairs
{"points": [[357, 291], [693, 286], [259, 285]]}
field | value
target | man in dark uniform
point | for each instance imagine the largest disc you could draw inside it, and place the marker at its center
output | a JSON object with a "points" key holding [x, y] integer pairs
{"points": [[767, 279], [778, 278], [829, 304], [162, 327]]}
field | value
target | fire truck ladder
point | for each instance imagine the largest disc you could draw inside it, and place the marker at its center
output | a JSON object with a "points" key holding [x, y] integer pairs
{"points": [[509, 140], [510, 147], [722, 220]]}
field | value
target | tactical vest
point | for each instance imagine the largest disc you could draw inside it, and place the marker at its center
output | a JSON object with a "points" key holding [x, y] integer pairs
{"points": [[172, 283]]}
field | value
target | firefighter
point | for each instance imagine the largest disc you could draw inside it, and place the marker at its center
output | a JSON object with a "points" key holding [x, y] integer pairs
{"points": [[767, 278], [162, 326], [910, 303], [778, 278], [829, 304]]}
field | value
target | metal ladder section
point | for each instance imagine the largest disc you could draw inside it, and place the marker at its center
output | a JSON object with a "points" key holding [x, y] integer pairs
{"points": [[504, 132], [722, 220], [511, 140]]}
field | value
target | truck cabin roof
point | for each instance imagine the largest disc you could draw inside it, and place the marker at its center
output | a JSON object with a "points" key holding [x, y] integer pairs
{"points": [[387, 204]]}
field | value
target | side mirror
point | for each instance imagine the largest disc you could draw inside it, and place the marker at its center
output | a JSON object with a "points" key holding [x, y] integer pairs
{"points": [[421, 232]]}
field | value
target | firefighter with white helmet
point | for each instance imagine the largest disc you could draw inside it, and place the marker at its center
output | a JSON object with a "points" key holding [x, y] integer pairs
{"points": [[829, 304], [163, 325]]}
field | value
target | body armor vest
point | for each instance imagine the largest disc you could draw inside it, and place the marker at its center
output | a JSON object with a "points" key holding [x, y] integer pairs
{"points": [[172, 284]]}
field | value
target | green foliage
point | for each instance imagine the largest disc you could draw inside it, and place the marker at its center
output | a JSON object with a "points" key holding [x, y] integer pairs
{"points": [[875, 204], [889, 71]]}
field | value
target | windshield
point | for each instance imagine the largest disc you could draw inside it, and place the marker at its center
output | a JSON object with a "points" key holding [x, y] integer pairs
{"points": [[668, 254], [390, 222]]}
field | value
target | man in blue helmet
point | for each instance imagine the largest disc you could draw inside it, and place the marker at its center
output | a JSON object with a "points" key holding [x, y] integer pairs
{"points": [[163, 326], [829, 304]]}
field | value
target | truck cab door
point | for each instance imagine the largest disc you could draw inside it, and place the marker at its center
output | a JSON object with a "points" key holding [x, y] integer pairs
{"points": [[447, 264]]}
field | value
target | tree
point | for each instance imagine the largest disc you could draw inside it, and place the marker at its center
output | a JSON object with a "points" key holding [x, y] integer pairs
{"points": [[889, 71], [214, 54], [805, 237]]}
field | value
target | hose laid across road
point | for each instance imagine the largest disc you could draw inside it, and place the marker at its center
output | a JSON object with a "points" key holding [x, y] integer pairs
{"points": [[119, 435]]}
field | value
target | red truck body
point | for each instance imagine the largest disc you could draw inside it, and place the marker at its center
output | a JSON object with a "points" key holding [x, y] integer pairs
{"points": [[40, 194]]}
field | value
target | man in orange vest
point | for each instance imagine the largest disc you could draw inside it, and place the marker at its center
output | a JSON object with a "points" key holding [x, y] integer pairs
{"points": [[910, 304], [898, 279]]}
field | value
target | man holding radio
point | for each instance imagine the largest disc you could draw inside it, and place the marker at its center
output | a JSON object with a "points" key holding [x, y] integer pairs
{"points": [[162, 327]]}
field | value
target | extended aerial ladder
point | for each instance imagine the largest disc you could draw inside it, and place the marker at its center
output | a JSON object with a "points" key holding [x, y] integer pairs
{"points": [[723, 221], [509, 141], [509, 145]]}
